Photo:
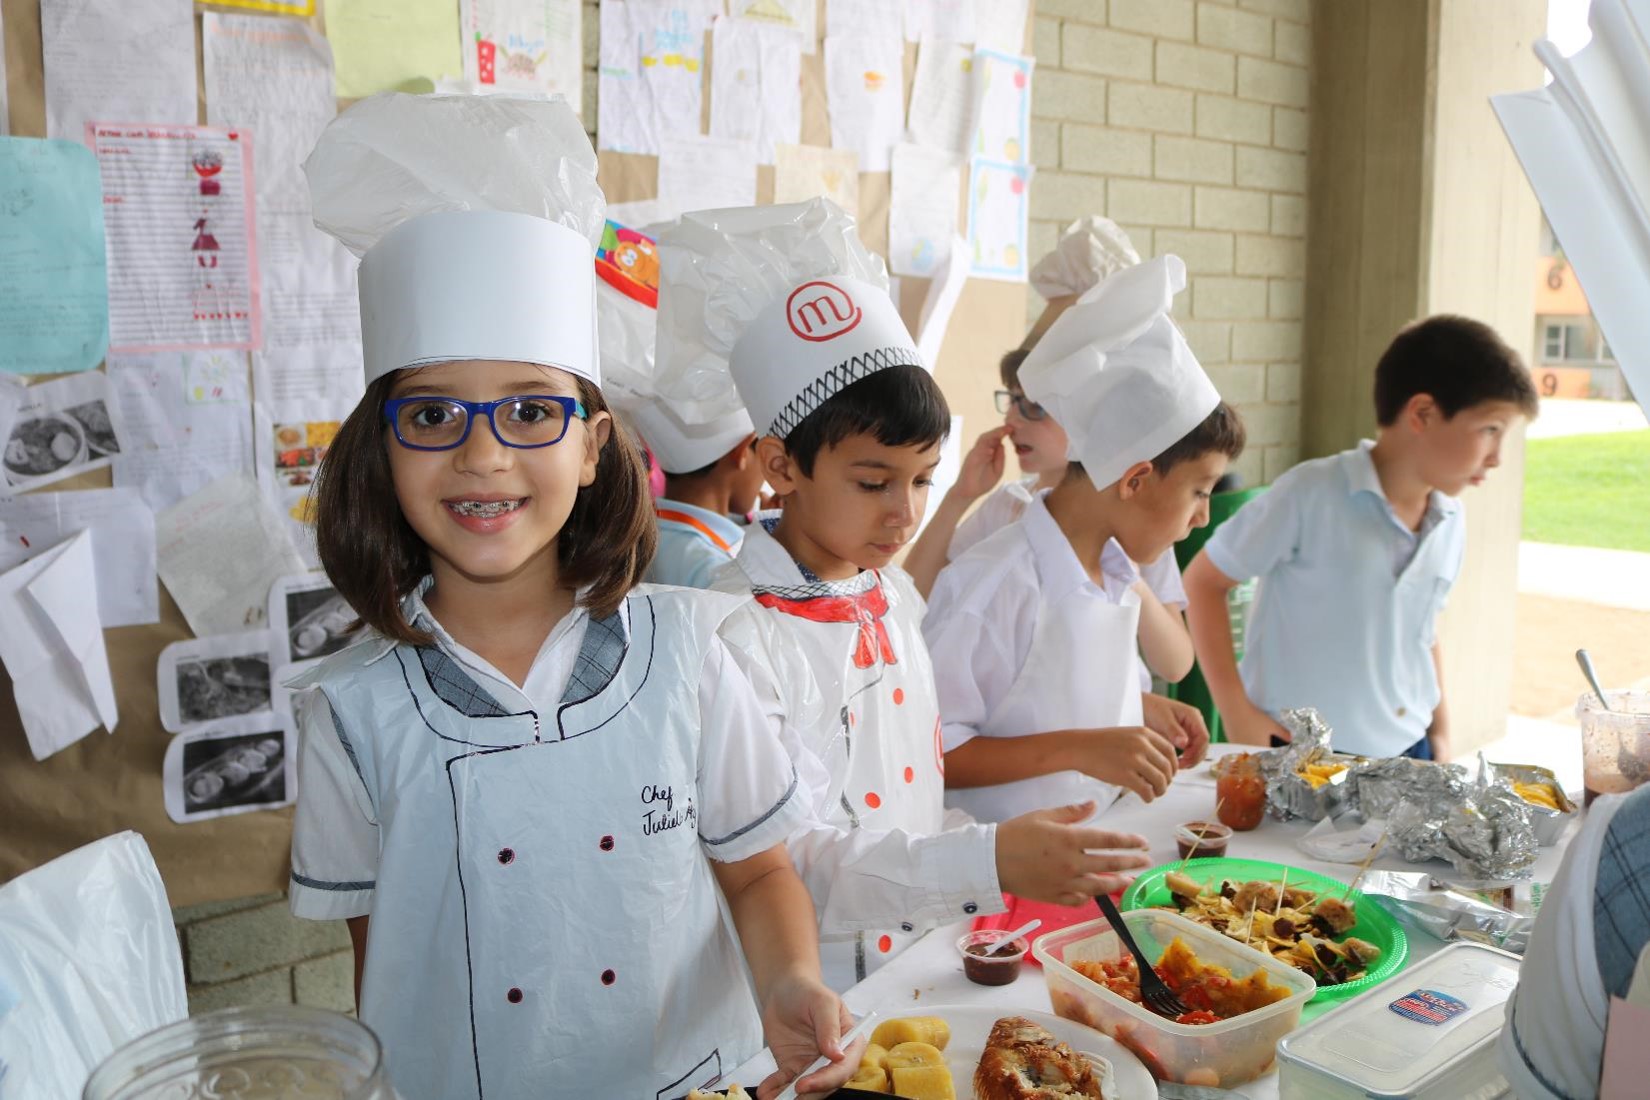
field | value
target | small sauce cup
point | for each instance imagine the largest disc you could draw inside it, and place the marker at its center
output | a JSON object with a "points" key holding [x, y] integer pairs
{"points": [[1202, 839], [999, 969]]}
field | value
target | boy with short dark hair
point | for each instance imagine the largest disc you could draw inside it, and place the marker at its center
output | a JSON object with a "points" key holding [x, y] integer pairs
{"points": [[1357, 553], [1034, 630]]}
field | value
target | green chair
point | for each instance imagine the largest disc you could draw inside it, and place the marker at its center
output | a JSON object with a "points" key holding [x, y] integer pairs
{"points": [[1194, 689]]}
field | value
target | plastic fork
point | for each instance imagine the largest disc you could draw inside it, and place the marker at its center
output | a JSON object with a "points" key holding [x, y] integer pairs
{"points": [[1154, 991]]}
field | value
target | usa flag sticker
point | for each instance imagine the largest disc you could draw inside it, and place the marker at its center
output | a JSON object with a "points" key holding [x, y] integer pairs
{"points": [[1425, 1006]]}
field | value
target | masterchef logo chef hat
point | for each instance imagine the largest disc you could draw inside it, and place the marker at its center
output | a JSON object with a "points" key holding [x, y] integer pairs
{"points": [[776, 308], [476, 219], [1117, 374]]}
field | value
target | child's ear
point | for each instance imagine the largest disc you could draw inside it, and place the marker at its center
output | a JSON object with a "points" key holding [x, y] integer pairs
{"points": [[1420, 411], [1133, 479], [777, 465], [743, 455], [597, 430]]}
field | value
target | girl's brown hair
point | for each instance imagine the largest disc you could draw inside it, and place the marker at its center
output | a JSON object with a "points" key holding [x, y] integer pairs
{"points": [[374, 558]]}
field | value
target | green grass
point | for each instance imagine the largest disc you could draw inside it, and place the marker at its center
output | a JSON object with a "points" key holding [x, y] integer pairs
{"points": [[1589, 490]]}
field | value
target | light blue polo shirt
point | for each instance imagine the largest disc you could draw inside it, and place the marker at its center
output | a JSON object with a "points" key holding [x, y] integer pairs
{"points": [[1348, 603], [693, 544]]}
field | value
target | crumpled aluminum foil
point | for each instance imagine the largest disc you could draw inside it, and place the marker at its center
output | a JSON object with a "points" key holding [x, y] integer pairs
{"points": [[1485, 832], [1428, 905], [1288, 796], [1549, 824], [1377, 787]]}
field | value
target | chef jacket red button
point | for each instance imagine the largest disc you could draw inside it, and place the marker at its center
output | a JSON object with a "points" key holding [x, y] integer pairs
{"points": [[608, 977], [514, 996], [607, 844], [506, 855]]}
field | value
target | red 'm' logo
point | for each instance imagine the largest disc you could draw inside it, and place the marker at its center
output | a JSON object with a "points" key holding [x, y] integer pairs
{"points": [[821, 311]]}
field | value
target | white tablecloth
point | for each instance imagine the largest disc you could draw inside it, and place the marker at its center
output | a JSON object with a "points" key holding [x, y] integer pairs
{"points": [[929, 972]]}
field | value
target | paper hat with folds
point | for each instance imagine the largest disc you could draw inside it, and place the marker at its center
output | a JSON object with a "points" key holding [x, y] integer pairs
{"points": [[1116, 373], [1089, 250], [682, 448], [476, 220], [776, 308]]}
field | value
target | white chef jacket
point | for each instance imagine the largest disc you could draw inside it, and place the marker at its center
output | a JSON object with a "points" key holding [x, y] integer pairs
{"points": [[580, 905], [1010, 609], [853, 704]]}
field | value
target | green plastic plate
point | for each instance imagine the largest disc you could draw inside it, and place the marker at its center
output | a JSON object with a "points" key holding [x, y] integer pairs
{"points": [[1375, 925]]}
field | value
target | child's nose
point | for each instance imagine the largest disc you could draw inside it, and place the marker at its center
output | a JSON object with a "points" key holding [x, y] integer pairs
{"points": [[483, 451]]}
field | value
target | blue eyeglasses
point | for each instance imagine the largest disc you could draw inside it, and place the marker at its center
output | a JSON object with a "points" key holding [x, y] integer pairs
{"points": [[442, 423]]}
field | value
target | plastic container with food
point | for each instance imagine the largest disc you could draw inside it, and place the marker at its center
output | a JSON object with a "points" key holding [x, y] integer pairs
{"points": [[1615, 743], [1226, 1053], [1429, 1034], [1551, 810], [982, 969]]}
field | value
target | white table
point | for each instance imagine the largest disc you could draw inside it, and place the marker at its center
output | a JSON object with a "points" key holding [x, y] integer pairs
{"points": [[929, 972]]}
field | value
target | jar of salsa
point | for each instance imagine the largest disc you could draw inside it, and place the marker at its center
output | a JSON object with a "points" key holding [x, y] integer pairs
{"points": [[1240, 791]]}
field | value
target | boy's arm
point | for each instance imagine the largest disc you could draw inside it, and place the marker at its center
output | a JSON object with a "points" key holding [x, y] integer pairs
{"points": [[1165, 641], [1134, 757], [1211, 627], [1438, 732], [981, 469]]}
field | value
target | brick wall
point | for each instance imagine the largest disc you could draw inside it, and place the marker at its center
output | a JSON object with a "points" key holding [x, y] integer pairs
{"points": [[1185, 122], [252, 951]]}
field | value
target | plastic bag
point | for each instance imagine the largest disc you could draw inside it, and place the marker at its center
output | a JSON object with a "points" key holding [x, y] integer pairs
{"points": [[391, 157], [1089, 250], [89, 956]]}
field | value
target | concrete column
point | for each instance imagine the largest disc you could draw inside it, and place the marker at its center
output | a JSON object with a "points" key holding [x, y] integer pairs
{"points": [[1417, 207]]}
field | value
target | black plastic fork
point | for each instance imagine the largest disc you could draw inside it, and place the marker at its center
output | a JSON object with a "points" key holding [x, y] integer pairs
{"points": [[1154, 991]]}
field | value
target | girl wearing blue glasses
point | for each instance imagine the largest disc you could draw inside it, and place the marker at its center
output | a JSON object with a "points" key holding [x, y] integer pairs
{"points": [[526, 788]]}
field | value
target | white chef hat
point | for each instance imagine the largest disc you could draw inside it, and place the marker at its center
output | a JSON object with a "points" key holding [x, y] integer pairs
{"points": [[679, 447], [1116, 373], [1089, 250], [776, 307], [476, 219]]}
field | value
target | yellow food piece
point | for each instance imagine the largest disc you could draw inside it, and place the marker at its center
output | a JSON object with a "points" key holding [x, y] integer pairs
{"points": [[1319, 774], [869, 1077], [913, 1056], [1540, 794], [1227, 996], [912, 1029], [875, 1055], [924, 1083]]}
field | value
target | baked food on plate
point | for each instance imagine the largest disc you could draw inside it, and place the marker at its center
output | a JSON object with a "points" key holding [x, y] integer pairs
{"points": [[1022, 1061]]}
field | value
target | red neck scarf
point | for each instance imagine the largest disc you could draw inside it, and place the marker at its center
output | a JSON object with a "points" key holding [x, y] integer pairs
{"points": [[866, 609]]}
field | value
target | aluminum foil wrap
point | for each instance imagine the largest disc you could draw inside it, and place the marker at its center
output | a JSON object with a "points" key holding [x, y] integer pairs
{"points": [[1377, 787], [1483, 830], [1549, 824], [1428, 905], [1288, 795]]}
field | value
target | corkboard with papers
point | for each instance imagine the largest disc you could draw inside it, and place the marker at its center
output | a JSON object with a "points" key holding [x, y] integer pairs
{"points": [[105, 783]]}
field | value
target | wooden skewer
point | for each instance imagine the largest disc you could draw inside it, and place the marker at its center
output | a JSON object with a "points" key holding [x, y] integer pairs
{"points": [[1207, 825], [1380, 841]]}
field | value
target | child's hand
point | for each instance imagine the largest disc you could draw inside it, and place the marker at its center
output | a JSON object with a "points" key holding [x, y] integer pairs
{"points": [[1180, 723], [1253, 726], [1046, 856], [1134, 757], [802, 1020], [982, 466]]}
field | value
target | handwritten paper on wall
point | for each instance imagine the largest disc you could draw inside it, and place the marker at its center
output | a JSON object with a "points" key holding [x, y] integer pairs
{"points": [[1003, 118], [794, 15], [117, 61], [756, 85], [922, 210], [880, 18], [219, 551], [123, 551], [952, 20], [652, 57], [186, 420], [1001, 25], [54, 303], [525, 46], [998, 212], [865, 94], [942, 97], [802, 172], [703, 173], [183, 270], [392, 45]]}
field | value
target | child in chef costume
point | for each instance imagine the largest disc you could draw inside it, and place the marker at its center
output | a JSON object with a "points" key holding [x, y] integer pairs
{"points": [[782, 310], [518, 777], [1033, 630], [1091, 249]]}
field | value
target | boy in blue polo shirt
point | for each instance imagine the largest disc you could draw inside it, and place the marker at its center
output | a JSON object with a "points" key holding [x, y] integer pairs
{"points": [[1357, 552]]}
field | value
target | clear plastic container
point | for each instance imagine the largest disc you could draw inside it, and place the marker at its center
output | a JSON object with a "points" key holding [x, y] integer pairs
{"points": [[1615, 743], [283, 1053], [1427, 1034], [1227, 1053]]}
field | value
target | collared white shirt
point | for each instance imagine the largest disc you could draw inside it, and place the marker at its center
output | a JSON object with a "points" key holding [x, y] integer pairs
{"points": [[1348, 603], [694, 543], [982, 614]]}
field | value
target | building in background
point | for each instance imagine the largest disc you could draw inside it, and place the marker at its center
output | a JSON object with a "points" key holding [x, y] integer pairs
{"points": [[1572, 357]]}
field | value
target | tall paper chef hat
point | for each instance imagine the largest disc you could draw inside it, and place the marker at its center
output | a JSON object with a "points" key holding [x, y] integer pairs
{"points": [[778, 307], [681, 447], [1089, 250], [1116, 373], [476, 219]]}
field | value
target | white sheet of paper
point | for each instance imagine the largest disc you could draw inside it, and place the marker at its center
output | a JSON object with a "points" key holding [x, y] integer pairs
{"points": [[942, 97], [800, 16], [117, 61], [308, 622], [202, 681], [802, 172], [289, 441], [1001, 25], [624, 118], [186, 421], [219, 550], [865, 95], [230, 767], [52, 644], [945, 474], [703, 173], [922, 209], [651, 71], [941, 301], [999, 203], [328, 371], [756, 84], [952, 20], [63, 427], [1002, 115], [123, 546], [639, 214], [879, 18], [160, 184], [525, 46], [12, 395]]}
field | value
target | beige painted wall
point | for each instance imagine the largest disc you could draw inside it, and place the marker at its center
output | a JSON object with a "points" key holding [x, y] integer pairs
{"points": [[1419, 207]]}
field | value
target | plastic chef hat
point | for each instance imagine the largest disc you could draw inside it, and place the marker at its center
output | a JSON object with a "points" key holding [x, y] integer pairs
{"points": [[680, 447], [476, 219], [775, 307], [1116, 373], [1089, 250]]}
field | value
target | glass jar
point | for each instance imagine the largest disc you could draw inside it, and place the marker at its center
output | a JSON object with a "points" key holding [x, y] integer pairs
{"points": [[1615, 743], [1240, 791], [280, 1053]]}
